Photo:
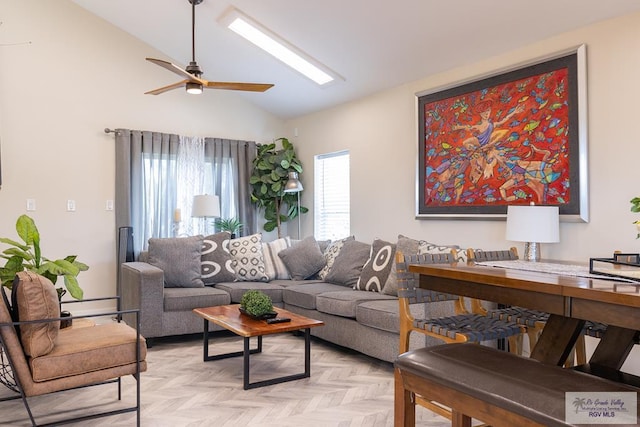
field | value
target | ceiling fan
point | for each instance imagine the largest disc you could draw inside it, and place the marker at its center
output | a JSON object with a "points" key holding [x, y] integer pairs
{"points": [[193, 83]]}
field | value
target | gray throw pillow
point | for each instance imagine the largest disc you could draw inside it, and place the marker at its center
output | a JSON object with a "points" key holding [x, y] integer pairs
{"points": [[348, 264], [217, 262], [376, 270], [303, 259], [179, 259], [331, 253]]}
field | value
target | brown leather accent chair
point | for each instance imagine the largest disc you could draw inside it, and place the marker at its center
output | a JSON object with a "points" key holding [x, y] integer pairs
{"points": [[38, 358]]}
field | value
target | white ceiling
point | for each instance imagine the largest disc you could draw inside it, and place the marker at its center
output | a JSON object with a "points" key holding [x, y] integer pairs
{"points": [[372, 44]]}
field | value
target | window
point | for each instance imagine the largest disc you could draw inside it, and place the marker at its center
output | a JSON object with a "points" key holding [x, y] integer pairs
{"points": [[331, 196]]}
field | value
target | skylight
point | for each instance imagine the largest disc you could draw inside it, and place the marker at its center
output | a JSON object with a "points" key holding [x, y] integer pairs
{"points": [[276, 46]]}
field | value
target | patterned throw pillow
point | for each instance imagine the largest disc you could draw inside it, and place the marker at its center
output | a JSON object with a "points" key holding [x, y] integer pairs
{"points": [[179, 259], [376, 270], [248, 259], [330, 254], [217, 262], [274, 267]]}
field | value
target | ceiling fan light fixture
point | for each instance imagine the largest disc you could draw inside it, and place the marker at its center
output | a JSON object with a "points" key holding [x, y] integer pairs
{"points": [[194, 88], [274, 45]]}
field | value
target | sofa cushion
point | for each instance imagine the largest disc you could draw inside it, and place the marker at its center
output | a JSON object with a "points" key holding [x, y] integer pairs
{"points": [[176, 299], [248, 259], [274, 267], [348, 264], [376, 270], [305, 295], [79, 348], [237, 289], [344, 303], [330, 254], [217, 262], [36, 299], [179, 259], [303, 259]]}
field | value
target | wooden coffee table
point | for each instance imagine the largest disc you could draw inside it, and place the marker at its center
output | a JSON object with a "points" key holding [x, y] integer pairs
{"points": [[230, 318]]}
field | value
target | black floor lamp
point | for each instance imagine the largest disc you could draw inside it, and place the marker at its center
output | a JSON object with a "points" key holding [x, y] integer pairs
{"points": [[294, 185]]}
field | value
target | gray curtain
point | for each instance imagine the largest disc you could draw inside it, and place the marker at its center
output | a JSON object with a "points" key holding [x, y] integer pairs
{"points": [[146, 192], [241, 154], [141, 158]]}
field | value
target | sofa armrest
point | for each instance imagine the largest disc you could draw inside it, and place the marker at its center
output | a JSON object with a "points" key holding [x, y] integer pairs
{"points": [[142, 288]]}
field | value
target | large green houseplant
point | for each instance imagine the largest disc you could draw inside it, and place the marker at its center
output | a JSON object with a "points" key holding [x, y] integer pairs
{"points": [[271, 169], [27, 256]]}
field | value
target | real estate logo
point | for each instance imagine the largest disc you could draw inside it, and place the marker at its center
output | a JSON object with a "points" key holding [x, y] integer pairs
{"points": [[601, 407]]}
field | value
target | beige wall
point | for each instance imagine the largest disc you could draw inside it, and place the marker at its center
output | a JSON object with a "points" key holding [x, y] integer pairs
{"points": [[380, 131], [78, 76]]}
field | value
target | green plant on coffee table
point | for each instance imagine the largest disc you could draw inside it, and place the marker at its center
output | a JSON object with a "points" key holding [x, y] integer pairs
{"points": [[256, 303], [27, 256]]}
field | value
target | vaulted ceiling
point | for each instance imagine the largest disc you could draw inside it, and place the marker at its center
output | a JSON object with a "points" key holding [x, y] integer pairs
{"points": [[372, 44]]}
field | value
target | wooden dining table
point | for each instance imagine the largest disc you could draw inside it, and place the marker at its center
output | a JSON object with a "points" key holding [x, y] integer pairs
{"points": [[569, 300]]}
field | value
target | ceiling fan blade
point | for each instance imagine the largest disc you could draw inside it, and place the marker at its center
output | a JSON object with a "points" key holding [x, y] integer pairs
{"points": [[250, 87], [175, 69], [166, 88]]}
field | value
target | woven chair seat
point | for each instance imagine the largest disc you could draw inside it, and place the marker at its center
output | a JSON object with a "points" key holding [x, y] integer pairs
{"points": [[475, 328], [417, 296], [520, 315]]}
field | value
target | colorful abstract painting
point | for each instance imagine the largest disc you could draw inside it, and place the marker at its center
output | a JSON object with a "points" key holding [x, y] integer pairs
{"points": [[501, 141]]}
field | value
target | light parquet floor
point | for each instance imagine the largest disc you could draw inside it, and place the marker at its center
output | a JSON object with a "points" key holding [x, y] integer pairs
{"points": [[179, 389]]}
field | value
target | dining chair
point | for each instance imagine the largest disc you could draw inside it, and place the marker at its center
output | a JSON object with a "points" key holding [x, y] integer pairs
{"points": [[533, 320], [463, 326], [38, 358]]}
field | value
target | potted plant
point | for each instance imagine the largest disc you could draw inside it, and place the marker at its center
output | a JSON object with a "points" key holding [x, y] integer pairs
{"points": [[271, 169], [635, 207], [257, 304], [232, 225], [27, 256]]}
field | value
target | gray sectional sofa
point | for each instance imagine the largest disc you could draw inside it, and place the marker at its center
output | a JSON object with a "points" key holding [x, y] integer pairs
{"points": [[363, 320]]}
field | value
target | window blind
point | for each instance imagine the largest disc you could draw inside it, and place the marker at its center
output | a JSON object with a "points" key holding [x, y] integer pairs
{"points": [[331, 196]]}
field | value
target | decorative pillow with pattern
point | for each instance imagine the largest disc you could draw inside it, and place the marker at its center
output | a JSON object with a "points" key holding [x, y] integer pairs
{"points": [[376, 271], [330, 254], [217, 262], [248, 259], [274, 267], [179, 259]]}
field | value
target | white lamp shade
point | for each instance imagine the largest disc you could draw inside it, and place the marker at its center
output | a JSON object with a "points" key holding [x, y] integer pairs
{"points": [[205, 206], [539, 224]]}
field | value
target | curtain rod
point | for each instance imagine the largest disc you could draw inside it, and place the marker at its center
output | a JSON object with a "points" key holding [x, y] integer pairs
{"points": [[107, 130]]}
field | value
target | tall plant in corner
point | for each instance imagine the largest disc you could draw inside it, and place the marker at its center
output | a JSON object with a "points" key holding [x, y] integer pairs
{"points": [[27, 256], [271, 169]]}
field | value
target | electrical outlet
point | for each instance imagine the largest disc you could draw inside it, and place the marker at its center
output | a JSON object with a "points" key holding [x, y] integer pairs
{"points": [[109, 205], [31, 205], [71, 205]]}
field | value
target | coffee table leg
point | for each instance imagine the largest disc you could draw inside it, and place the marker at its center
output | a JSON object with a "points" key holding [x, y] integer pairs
{"points": [[205, 339], [307, 352]]}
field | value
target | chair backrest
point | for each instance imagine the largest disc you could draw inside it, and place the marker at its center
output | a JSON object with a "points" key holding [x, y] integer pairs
{"points": [[408, 282], [14, 363], [479, 255]]}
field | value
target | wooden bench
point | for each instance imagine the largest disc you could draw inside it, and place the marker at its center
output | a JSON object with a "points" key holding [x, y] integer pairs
{"points": [[495, 387]]}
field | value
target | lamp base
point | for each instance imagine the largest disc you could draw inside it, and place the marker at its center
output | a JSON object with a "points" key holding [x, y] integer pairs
{"points": [[531, 251]]}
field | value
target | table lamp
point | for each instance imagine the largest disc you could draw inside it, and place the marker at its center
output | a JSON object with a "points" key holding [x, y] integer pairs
{"points": [[205, 206], [294, 185], [533, 225]]}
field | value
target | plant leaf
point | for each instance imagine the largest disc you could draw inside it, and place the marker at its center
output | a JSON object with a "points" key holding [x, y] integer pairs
{"points": [[71, 283]]}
